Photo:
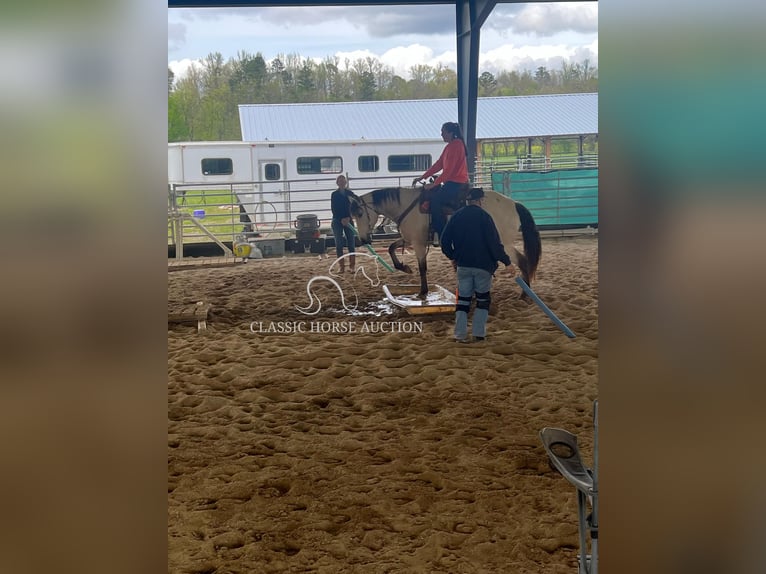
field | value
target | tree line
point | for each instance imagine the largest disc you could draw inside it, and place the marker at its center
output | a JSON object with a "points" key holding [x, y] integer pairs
{"points": [[202, 105]]}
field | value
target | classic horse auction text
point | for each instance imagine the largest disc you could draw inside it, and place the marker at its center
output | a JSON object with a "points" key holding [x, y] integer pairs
{"points": [[336, 327]]}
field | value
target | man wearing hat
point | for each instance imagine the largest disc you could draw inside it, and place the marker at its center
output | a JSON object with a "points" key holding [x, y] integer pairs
{"points": [[471, 241]]}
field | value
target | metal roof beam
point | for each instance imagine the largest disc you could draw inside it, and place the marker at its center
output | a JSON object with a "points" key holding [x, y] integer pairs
{"points": [[273, 3], [469, 17]]}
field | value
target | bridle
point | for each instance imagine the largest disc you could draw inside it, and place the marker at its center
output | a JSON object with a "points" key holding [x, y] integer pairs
{"points": [[367, 210]]}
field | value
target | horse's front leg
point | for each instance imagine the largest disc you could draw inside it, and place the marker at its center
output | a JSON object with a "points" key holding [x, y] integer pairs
{"points": [[396, 261], [423, 277], [420, 253]]}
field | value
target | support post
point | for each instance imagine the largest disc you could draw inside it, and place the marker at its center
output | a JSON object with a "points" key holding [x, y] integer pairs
{"points": [[469, 17]]}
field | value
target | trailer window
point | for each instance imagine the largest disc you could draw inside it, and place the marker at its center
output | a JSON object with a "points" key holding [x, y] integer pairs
{"points": [[409, 162], [369, 163], [217, 166], [271, 172], [309, 165]]}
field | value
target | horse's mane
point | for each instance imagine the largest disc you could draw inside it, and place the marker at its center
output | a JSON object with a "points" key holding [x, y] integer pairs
{"points": [[385, 195], [352, 195]]}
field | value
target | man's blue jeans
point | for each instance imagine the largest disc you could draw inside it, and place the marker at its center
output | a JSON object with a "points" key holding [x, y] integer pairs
{"points": [[339, 231], [472, 281]]}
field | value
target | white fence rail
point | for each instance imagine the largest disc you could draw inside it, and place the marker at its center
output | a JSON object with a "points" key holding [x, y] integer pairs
{"points": [[204, 212]]}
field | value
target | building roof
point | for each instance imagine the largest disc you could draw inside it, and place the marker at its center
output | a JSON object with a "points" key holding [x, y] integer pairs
{"points": [[507, 117]]}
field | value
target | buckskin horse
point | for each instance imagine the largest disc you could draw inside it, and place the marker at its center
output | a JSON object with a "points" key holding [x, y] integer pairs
{"points": [[401, 205]]}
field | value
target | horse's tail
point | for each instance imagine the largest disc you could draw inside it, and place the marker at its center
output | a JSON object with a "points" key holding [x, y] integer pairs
{"points": [[532, 244]]}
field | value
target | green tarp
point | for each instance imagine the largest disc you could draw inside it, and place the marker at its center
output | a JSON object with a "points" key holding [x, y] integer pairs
{"points": [[557, 198]]}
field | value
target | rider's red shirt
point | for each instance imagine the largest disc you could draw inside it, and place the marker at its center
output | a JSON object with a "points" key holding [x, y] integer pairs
{"points": [[452, 163]]}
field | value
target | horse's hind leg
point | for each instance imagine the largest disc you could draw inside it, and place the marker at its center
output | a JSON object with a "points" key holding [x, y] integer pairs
{"points": [[523, 264]]}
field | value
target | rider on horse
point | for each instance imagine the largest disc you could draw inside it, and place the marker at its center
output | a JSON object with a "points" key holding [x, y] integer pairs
{"points": [[453, 180]]}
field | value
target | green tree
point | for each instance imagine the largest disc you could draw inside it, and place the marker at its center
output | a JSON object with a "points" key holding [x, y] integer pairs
{"points": [[445, 82], [381, 74], [516, 83], [422, 73], [487, 84], [255, 70], [306, 82], [543, 76], [361, 76], [276, 78], [365, 86], [248, 76], [333, 79], [421, 77], [186, 106], [203, 103], [570, 73], [397, 89], [217, 111], [293, 64], [178, 129], [213, 71]]}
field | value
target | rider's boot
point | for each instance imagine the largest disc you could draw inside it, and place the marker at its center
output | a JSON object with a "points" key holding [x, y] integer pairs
{"points": [[351, 262]]}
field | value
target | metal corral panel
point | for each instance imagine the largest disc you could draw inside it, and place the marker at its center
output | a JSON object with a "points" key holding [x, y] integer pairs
{"points": [[497, 118]]}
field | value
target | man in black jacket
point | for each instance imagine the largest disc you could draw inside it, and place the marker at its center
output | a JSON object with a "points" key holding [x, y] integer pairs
{"points": [[341, 222], [470, 239]]}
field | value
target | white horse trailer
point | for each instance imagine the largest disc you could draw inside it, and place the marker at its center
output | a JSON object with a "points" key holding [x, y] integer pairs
{"points": [[292, 178]]}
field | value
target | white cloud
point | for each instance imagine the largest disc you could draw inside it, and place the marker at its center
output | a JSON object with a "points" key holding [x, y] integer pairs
{"points": [[354, 55], [402, 58], [593, 47], [510, 57], [406, 21], [546, 19], [181, 67], [506, 57], [515, 36]]}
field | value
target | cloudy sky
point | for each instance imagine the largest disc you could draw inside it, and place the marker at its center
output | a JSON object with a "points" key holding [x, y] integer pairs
{"points": [[514, 37]]}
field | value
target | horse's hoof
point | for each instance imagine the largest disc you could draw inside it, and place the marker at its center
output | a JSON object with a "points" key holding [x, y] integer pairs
{"points": [[407, 269]]}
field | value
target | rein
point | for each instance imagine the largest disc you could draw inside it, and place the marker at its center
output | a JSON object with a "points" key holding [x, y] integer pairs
{"points": [[401, 217], [366, 208], [407, 211]]}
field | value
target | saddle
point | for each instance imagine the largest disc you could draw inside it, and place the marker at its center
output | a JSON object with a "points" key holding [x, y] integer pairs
{"points": [[448, 208]]}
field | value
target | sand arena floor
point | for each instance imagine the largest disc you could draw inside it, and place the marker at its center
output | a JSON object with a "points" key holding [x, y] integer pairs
{"points": [[385, 450]]}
